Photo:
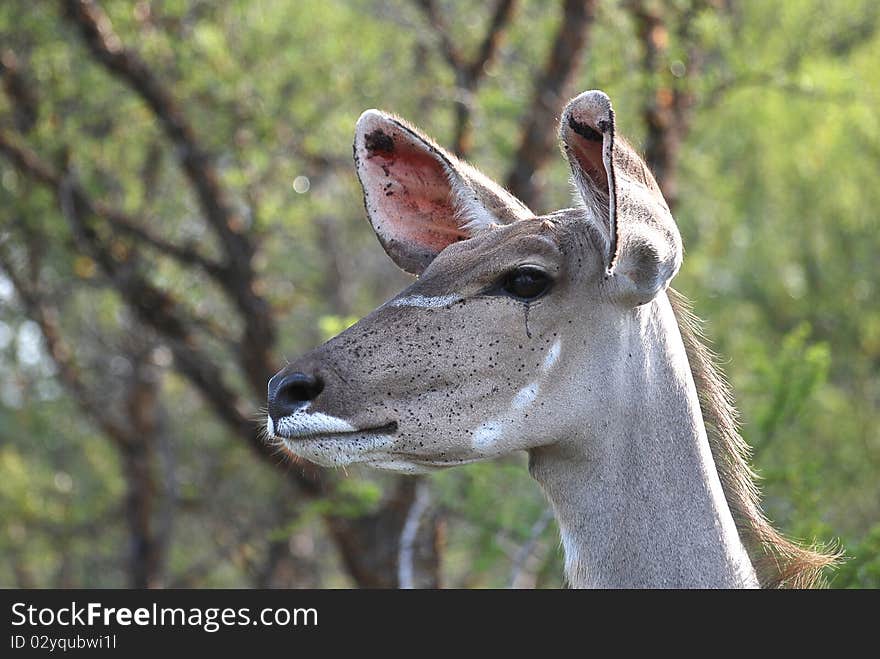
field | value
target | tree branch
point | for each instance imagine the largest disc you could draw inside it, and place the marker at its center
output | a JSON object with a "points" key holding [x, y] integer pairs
{"points": [[143, 409], [359, 545], [27, 161], [468, 74], [135, 441], [540, 123], [24, 99], [517, 576], [450, 52], [153, 306], [408, 534], [157, 308], [107, 49], [186, 255], [667, 109], [46, 317], [492, 40]]}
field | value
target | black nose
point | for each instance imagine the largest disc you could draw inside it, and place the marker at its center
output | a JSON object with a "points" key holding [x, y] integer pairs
{"points": [[288, 392]]}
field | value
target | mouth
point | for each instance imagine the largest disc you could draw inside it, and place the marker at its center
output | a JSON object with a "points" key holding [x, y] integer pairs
{"points": [[294, 435], [330, 441]]}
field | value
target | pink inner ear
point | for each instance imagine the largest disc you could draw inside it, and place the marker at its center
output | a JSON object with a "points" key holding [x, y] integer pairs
{"points": [[588, 151], [410, 193]]}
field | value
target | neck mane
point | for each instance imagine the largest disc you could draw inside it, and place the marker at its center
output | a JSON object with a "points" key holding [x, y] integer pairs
{"points": [[778, 561], [663, 496]]}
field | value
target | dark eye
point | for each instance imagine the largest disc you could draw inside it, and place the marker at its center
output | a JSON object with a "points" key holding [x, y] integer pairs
{"points": [[526, 283]]}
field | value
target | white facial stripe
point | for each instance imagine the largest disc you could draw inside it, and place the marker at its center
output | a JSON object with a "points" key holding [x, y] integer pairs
{"points": [[425, 302], [301, 424], [270, 427], [525, 396], [552, 355], [486, 435]]}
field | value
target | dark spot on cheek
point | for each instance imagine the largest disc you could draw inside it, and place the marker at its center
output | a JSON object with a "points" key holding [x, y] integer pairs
{"points": [[379, 142]]}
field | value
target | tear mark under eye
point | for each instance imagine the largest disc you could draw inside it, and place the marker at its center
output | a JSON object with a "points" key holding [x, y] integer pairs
{"points": [[526, 307]]}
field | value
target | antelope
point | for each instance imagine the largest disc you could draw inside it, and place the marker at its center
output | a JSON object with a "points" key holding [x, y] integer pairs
{"points": [[557, 335]]}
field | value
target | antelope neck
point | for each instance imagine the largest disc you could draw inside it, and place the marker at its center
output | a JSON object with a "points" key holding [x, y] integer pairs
{"points": [[636, 492]]}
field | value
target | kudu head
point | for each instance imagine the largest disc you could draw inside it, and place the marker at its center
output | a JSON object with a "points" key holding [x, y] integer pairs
{"points": [[502, 343]]}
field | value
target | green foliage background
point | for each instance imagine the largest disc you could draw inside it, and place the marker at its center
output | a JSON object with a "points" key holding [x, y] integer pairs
{"points": [[778, 209]]}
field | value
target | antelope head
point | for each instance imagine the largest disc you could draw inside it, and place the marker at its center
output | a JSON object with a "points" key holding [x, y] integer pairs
{"points": [[508, 338]]}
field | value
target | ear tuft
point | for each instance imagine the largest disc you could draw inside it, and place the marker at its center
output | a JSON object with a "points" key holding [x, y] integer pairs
{"points": [[590, 115], [379, 142], [584, 130]]}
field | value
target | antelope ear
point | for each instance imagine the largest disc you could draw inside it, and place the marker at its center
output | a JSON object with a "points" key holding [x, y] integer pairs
{"points": [[587, 134], [419, 198], [642, 250]]}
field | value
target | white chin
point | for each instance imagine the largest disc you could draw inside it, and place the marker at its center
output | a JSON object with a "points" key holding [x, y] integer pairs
{"points": [[336, 451], [402, 466]]}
